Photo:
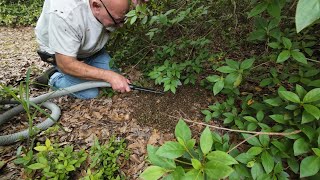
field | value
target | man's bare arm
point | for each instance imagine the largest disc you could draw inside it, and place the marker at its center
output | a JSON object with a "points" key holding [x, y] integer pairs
{"points": [[70, 65]]}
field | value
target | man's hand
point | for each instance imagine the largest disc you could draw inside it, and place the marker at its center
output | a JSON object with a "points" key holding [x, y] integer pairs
{"points": [[118, 82]]}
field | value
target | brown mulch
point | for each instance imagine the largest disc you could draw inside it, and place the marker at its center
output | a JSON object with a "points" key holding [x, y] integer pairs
{"points": [[140, 118]]}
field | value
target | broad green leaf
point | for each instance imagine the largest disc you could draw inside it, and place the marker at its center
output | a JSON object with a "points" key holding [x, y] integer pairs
{"points": [[274, 45], [286, 42], [256, 170], [158, 160], [183, 131], [300, 91], [244, 158], [217, 170], [171, 150], [307, 12], [213, 78], [238, 81], [218, 86], [153, 173], [300, 146], [309, 131], [226, 69], [283, 56], [316, 151], [309, 166], [299, 56], [274, 102], [313, 110], [312, 96], [267, 161], [206, 141], [233, 64], [40, 148], [253, 140], [196, 163], [255, 151], [264, 140], [221, 157], [36, 166], [274, 9], [278, 118], [260, 116], [250, 119], [290, 96], [258, 9], [306, 117], [246, 64], [133, 19], [194, 174], [293, 164]]}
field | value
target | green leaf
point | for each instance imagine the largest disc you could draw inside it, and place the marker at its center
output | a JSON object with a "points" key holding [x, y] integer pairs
{"points": [[213, 78], [300, 146], [256, 170], [253, 141], [307, 12], [158, 160], [226, 69], [194, 174], [274, 9], [70, 168], [316, 151], [206, 140], [217, 170], [290, 96], [306, 117], [274, 102], [300, 91], [286, 42], [238, 80], [255, 151], [293, 164], [250, 119], [312, 96], [246, 64], [313, 110], [40, 148], [183, 131], [309, 166], [233, 64], [278, 118], [258, 9], [218, 86], [36, 166], [260, 116], [283, 56], [196, 163], [267, 161], [153, 173], [264, 140], [244, 158], [221, 157], [171, 150], [299, 56]]}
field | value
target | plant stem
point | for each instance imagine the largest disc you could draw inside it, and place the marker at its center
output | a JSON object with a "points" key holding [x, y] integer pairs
{"points": [[183, 162]]}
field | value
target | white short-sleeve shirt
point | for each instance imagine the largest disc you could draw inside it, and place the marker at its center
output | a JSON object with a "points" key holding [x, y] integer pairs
{"points": [[68, 27]]}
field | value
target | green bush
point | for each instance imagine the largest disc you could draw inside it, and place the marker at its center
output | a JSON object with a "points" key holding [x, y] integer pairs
{"points": [[20, 12]]}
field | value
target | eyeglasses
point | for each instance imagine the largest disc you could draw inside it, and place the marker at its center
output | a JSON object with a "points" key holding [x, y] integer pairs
{"points": [[114, 21]]}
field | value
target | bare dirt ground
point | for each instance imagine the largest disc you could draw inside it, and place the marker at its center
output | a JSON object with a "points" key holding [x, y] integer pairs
{"points": [[140, 118]]}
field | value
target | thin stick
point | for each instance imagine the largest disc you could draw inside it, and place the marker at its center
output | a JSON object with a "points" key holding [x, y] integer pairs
{"points": [[241, 131], [242, 142]]}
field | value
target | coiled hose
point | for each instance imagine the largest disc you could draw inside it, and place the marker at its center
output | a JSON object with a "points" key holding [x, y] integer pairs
{"points": [[55, 110]]}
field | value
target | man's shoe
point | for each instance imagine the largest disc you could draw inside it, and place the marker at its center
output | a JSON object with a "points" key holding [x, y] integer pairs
{"points": [[42, 80]]}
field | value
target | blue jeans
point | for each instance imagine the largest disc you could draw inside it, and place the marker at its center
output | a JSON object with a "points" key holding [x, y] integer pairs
{"points": [[60, 80]]}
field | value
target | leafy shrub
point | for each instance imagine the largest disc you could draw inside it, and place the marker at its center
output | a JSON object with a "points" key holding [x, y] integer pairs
{"points": [[184, 160]]}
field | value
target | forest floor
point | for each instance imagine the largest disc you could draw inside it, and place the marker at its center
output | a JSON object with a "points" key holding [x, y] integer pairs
{"points": [[140, 118]]}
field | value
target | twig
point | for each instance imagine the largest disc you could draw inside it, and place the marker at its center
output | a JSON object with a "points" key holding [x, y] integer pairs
{"points": [[241, 131], [242, 142], [312, 60]]}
